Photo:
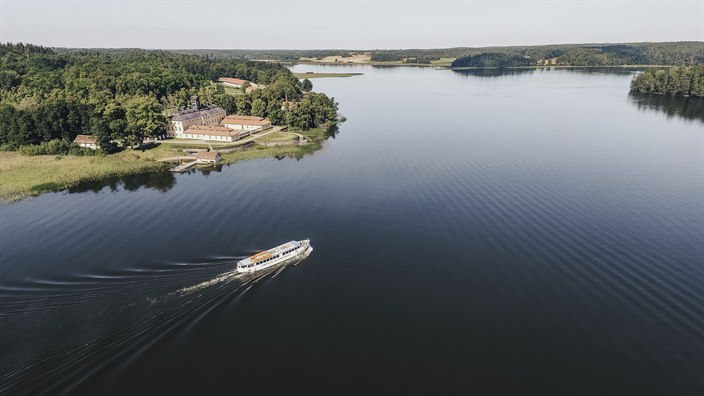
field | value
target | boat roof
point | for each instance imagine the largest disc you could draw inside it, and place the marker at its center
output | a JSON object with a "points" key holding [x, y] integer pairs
{"points": [[269, 253]]}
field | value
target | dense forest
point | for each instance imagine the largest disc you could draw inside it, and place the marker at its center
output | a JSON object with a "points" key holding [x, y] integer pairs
{"points": [[671, 54], [126, 94], [679, 81], [274, 54], [492, 59]]}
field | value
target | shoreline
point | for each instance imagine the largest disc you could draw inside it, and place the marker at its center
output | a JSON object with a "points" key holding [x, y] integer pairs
{"points": [[449, 67], [31, 176], [559, 67]]}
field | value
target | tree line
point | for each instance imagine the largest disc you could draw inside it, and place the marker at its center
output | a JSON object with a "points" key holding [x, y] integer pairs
{"points": [[679, 81], [492, 59], [684, 53], [125, 95], [671, 54]]}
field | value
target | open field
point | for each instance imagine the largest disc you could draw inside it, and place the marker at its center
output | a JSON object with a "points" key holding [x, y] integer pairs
{"points": [[231, 90], [351, 59], [310, 75], [442, 62]]}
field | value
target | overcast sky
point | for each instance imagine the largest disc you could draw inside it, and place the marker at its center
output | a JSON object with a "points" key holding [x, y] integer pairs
{"points": [[349, 24]]}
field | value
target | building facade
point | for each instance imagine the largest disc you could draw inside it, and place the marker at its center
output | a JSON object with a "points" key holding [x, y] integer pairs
{"points": [[210, 132], [209, 115], [245, 123]]}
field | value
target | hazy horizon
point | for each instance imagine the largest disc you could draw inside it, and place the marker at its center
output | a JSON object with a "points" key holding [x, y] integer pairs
{"points": [[360, 49], [343, 24]]}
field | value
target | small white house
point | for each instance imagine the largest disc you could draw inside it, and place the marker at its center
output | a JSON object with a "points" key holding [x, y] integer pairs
{"points": [[208, 157], [87, 141]]}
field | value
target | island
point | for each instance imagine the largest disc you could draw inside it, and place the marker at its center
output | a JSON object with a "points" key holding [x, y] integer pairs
{"points": [[69, 116]]}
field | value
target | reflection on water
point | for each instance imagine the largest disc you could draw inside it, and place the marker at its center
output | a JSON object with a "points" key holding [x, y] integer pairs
{"points": [[160, 181], [165, 181], [672, 106], [332, 132], [529, 234], [531, 70], [494, 72]]}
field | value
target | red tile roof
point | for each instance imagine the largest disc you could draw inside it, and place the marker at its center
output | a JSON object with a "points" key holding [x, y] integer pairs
{"points": [[208, 155], [208, 130], [245, 120], [230, 80], [85, 139]]}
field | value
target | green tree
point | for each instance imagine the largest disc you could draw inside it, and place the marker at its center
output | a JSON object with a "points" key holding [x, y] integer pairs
{"points": [[680, 81], [306, 85], [244, 104], [259, 107], [144, 119], [227, 102]]}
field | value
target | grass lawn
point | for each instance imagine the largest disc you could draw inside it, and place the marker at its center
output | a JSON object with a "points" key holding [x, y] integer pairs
{"points": [[231, 90], [277, 137], [442, 62], [350, 59], [325, 75]]}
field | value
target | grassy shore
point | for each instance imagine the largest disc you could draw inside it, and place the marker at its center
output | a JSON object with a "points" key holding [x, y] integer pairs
{"points": [[277, 137], [259, 152], [26, 176], [325, 75]]}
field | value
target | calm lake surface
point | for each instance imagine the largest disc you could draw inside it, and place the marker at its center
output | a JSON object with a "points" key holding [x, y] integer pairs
{"points": [[526, 233]]}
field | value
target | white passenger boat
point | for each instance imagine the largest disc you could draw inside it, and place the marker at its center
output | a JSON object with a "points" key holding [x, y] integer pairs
{"points": [[287, 253]]}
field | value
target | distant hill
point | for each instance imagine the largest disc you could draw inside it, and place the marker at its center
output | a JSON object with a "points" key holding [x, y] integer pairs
{"points": [[684, 53]]}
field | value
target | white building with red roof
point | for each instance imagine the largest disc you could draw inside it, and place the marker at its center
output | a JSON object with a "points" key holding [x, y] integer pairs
{"points": [[245, 123], [87, 141]]}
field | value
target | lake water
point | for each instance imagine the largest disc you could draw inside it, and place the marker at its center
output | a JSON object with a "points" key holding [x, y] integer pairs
{"points": [[527, 233]]}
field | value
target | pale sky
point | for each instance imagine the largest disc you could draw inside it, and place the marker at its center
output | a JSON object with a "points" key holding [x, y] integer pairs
{"points": [[348, 24]]}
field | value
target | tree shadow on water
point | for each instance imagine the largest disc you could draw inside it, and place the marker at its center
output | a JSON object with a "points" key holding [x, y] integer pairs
{"points": [[688, 108], [160, 181]]}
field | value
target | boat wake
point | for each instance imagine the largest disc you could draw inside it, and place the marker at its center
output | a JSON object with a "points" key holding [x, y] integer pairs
{"points": [[79, 327]]}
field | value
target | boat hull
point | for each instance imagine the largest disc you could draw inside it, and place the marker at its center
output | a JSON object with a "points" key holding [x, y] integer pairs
{"points": [[295, 257]]}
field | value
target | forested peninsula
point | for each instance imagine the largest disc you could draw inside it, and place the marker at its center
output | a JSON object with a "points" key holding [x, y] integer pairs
{"points": [[49, 95], [678, 81], [665, 54], [119, 98]]}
